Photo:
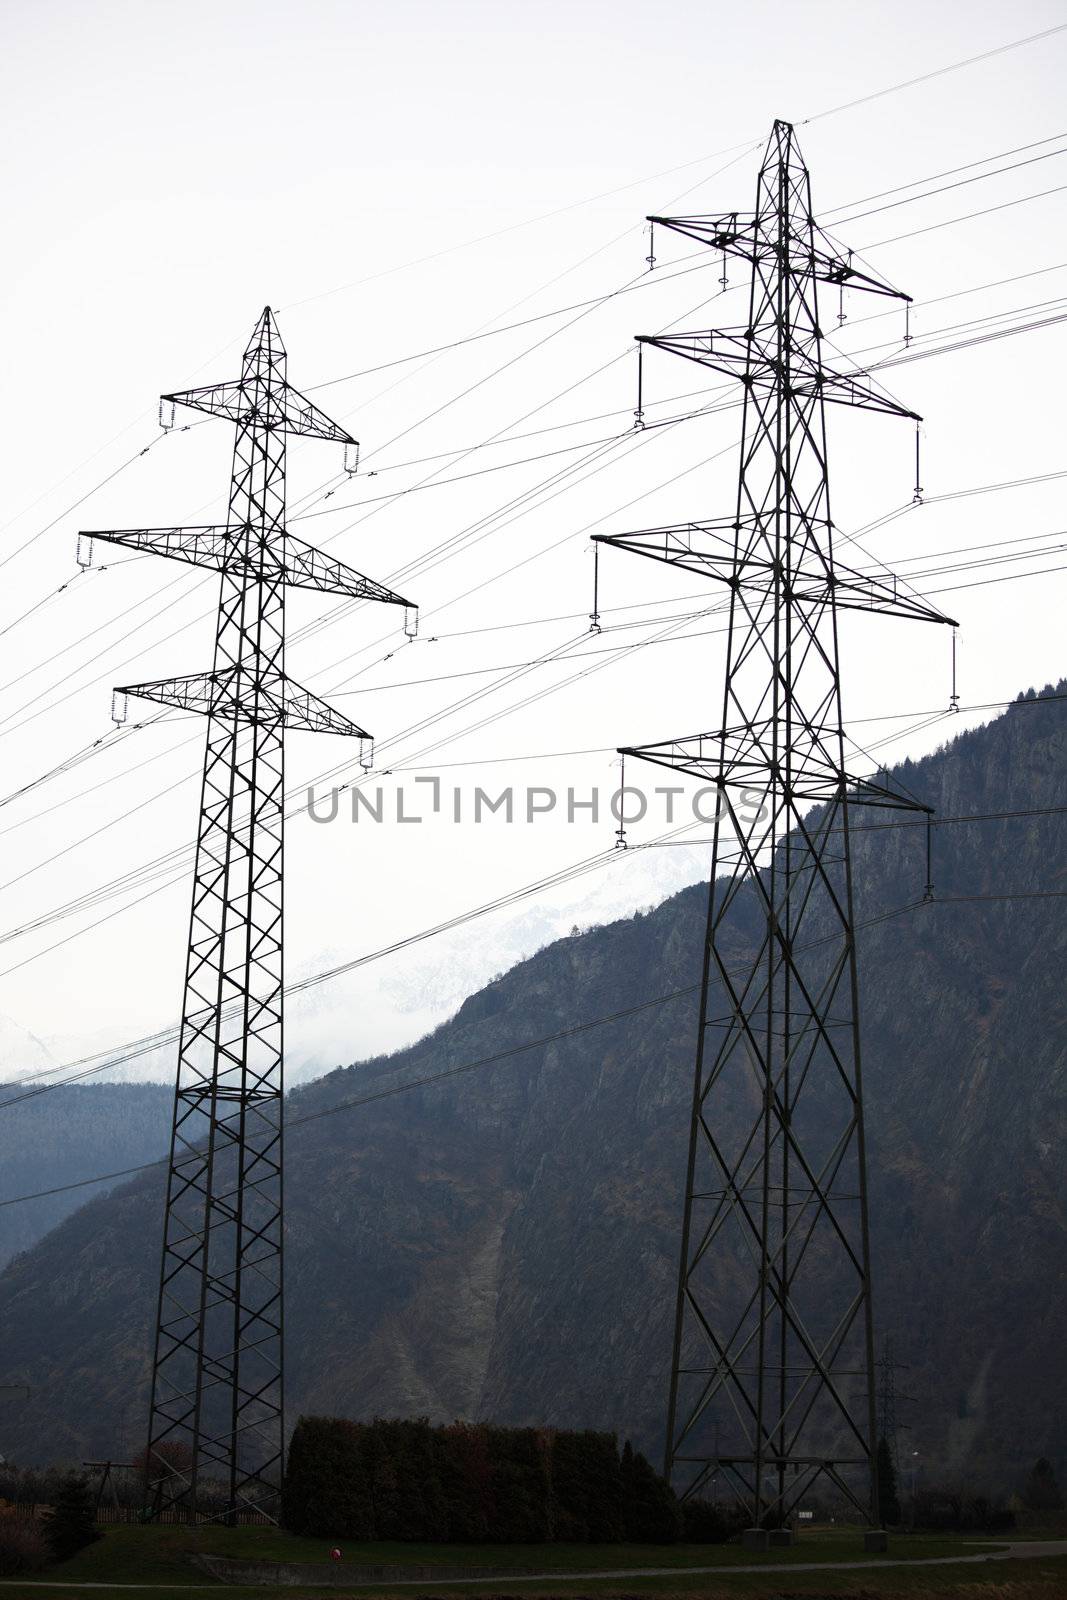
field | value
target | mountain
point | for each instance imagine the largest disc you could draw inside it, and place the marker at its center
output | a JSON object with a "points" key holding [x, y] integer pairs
{"points": [[21, 1052], [503, 1243], [68, 1134]]}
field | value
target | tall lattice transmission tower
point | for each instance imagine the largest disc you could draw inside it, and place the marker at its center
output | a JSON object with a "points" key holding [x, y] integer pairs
{"points": [[215, 1439], [772, 1386]]}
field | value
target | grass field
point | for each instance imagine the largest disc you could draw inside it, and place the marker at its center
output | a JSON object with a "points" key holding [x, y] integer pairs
{"points": [[158, 1556]]}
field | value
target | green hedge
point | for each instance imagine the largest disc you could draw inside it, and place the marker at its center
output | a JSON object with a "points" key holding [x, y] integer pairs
{"points": [[470, 1484]]}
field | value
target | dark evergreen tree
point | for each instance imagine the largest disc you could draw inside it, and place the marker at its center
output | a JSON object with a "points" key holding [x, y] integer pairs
{"points": [[888, 1499], [586, 1488], [603, 1487], [570, 1522], [408, 1499], [1042, 1492], [650, 1510], [464, 1473], [327, 1490], [519, 1486], [70, 1525]]}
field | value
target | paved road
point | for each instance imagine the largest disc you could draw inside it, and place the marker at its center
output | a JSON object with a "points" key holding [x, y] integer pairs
{"points": [[1018, 1551]]}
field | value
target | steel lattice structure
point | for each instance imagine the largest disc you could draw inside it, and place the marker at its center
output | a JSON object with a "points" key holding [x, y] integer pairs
{"points": [[887, 1403], [772, 1384], [216, 1424]]}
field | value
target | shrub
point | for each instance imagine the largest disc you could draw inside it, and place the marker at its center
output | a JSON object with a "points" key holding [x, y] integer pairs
{"points": [[464, 1473], [519, 1486], [327, 1488], [650, 1510], [23, 1547], [704, 1522], [950, 1510], [406, 1480], [586, 1488], [1042, 1492], [70, 1525], [406, 1492]]}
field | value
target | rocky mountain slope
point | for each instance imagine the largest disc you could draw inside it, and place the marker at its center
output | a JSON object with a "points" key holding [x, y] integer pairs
{"points": [[502, 1244]]}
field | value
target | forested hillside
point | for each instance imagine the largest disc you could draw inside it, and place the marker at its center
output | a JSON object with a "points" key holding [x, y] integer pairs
{"points": [[502, 1245], [67, 1134]]}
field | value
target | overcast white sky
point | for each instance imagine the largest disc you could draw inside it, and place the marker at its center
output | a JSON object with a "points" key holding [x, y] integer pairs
{"points": [[170, 169]]}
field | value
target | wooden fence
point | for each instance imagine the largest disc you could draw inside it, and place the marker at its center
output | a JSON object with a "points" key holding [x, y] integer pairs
{"points": [[113, 1515]]}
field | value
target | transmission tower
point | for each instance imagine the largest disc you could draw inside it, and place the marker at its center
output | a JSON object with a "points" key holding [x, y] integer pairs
{"points": [[772, 1385], [887, 1401], [215, 1437]]}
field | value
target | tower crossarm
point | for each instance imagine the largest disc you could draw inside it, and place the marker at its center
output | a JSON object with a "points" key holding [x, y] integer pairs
{"points": [[739, 353], [278, 703], [743, 758], [307, 568], [739, 234], [281, 407], [738, 553], [226, 549], [872, 591]]}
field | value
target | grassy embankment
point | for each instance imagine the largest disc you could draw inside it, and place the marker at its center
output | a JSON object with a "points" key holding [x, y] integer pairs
{"points": [[134, 1556]]}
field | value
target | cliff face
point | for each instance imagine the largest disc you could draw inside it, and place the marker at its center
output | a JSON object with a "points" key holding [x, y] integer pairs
{"points": [[504, 1244]]}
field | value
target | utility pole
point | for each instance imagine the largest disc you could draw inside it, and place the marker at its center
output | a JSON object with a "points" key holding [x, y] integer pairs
{"points": [[773, 1350], [108, 1471], [216, 1428]]}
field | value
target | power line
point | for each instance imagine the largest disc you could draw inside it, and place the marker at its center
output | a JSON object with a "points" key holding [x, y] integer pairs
{"points": [[173, 859], [961, 183], [911, 356], [527, 1045], [597, 301], [601, 750], [929, 499], [950, 172], [931, 352], [105, 1060], [699, 413], [437, 1077], [938, 72], [650, 279], [25, 545], [45, 600], [646, 281], [743, 145], [949, 222]]}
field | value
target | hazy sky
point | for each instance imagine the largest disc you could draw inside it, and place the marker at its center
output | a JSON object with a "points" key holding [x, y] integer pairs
{"points": [[171, 169]]}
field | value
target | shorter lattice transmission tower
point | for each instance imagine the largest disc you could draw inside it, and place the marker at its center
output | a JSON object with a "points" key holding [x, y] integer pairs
{"points": [[773, 1384], [216, 1428], [889, 1426]]}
